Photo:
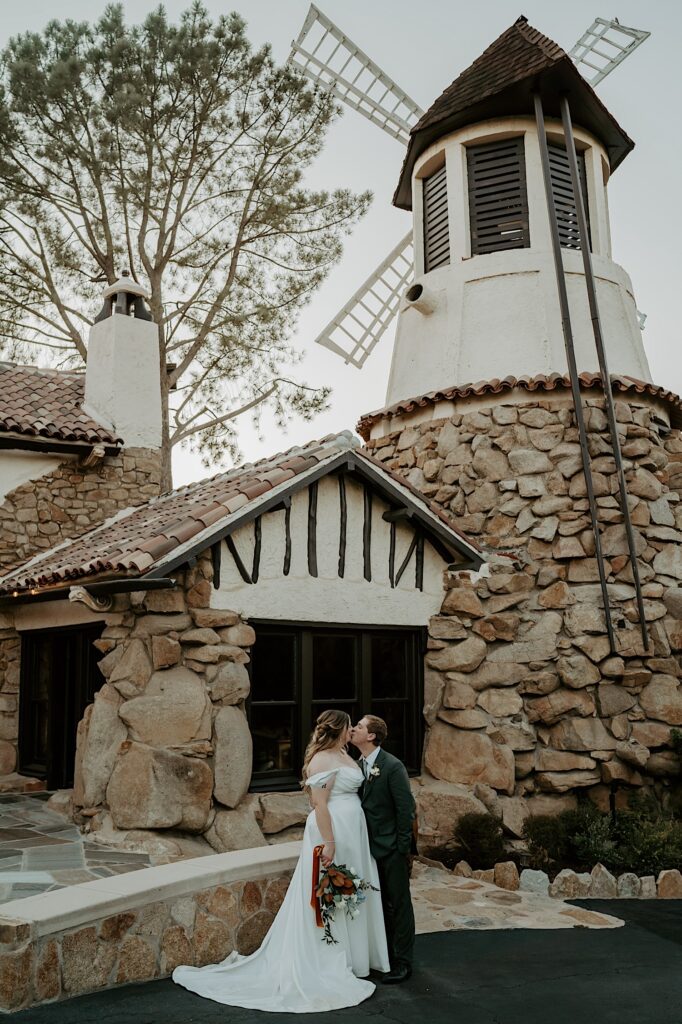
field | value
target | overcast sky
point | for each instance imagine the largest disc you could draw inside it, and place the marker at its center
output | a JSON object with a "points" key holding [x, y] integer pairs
{"points": [[424, 46]]}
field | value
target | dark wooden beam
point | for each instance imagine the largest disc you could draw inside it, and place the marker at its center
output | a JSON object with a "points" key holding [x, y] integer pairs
{"points": [[257, 541], [216, 555], [241, 568], [391, 556], [343, 524], [367, 534], [406, 559], [396, 515], [419, 562], [312, 529], [287, 540]]}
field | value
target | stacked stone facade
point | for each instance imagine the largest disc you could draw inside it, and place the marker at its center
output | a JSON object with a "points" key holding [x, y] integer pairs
{"points": [[73, 499], [166, 744], [10, 654], [526, 705]]}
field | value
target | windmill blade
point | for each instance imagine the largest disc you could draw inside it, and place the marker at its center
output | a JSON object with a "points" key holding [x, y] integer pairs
{"points": [[331, 59], [604, 46], [356, 329]]}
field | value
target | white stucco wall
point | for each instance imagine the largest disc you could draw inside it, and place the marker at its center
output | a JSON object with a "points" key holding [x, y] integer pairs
{"points": [[497, 314], [327, 598], [122, 388], [17, 468]]}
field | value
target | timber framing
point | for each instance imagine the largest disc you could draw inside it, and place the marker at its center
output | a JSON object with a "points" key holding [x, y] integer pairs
{"points": [[402, 505]]}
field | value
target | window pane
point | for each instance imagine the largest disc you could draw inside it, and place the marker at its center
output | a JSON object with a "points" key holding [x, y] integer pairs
{"points": [[394, 715], [389, 665], [334, 668], [272, 729], [274, 667]]}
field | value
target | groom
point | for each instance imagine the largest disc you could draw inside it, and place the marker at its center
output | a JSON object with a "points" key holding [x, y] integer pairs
{"points": [[389, 809]]}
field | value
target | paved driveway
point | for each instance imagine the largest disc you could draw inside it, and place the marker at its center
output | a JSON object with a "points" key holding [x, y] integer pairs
{"points": [[630, 975]]}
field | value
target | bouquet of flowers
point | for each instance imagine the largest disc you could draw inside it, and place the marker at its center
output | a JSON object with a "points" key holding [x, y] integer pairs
{"points": [[334, 887]]}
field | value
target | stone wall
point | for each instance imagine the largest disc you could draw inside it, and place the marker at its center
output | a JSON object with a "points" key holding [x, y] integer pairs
{"points": [[526, 705], [166, 749], [73, 499], [135, 945], [10, 652]]}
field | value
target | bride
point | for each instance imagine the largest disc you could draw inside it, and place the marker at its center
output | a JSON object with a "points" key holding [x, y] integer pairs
{"points": [[295, 971]]}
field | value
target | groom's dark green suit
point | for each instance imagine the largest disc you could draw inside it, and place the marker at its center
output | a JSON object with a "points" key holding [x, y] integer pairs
{"points": [[389, 809]]}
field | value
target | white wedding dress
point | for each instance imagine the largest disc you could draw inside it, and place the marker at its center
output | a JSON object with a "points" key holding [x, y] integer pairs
{"points": [[295, 970]]}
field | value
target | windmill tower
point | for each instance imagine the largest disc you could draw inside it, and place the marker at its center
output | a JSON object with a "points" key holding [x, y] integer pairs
{"points": [[507, 295]]}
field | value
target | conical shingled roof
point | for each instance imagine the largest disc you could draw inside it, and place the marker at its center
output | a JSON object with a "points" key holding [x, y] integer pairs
{"points": [[501, 83]]}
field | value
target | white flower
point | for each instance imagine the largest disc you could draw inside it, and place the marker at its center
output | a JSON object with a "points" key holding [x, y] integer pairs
{"points": [[351, 869], [375, 770]]}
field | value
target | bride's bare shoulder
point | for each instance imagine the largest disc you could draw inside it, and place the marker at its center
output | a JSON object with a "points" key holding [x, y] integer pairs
{"points": [[322, 762]]}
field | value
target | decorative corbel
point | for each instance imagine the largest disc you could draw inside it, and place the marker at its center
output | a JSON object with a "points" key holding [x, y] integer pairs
{"points": [[79, 595]]}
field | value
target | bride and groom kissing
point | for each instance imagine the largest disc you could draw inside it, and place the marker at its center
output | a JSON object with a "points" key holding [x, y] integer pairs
{"points": [[361, 817]]}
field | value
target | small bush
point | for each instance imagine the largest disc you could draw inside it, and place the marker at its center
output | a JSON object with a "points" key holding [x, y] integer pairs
{"points": [[479, 840], [551, 837], [642, 840]]}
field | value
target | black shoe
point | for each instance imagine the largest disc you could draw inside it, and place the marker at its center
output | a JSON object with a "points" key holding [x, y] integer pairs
{"points": [[402, 972]]}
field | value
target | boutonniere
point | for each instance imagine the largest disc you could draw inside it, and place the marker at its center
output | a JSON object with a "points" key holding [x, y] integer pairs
{"points": [[374, 771]]}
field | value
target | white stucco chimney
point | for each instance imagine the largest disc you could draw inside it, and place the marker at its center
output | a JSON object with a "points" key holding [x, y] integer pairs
{"points": [[122, 383]]}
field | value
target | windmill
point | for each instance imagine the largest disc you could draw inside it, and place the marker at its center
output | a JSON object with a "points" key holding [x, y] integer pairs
{"points": [[329, 58]]}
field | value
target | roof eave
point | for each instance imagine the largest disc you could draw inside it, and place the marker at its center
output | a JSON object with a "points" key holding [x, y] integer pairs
{"points": [[561, 78]]}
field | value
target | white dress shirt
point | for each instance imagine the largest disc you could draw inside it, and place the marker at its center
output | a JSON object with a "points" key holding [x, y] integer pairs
{"points": [[368, 761]]}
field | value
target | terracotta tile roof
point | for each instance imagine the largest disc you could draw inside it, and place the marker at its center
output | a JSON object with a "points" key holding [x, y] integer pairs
{"points": [[137, 540], [541, 382], [42, 403], [500, 83]]}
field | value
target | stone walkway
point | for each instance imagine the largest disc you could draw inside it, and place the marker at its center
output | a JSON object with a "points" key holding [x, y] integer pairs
{"points": [[41, 851], [444, 902]]}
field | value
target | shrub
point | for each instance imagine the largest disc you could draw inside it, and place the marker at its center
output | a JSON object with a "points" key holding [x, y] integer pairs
{"points": [[642, 839], [645, 846], [479, 840], [551, 837]]}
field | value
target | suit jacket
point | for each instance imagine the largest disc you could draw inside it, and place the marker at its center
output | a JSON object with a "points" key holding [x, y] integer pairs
{"points": [[389, 806]]}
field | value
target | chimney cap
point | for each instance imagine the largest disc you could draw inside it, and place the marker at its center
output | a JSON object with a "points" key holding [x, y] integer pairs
{"points": [[125, 284]]}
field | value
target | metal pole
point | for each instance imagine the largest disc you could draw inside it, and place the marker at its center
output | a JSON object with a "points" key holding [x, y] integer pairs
{"points": [[601, 355], [570, 358]]}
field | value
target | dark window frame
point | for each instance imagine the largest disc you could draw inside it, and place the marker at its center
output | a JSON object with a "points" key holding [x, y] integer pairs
{"points": [[70, 688], [415, 636]]}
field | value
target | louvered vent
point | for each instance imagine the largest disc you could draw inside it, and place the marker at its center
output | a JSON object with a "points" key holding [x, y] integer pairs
{"points": [[436, 239], [564, 200], [498, 202]]}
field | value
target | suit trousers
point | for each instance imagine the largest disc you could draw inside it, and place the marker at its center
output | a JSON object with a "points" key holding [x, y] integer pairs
{"points": [[394, 877]]}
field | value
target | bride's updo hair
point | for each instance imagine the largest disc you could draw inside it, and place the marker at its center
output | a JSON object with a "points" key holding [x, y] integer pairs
{"points": [[328, 728]]}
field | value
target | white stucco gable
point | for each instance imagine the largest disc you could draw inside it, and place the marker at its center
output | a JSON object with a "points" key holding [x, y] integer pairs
{"points": [[285, 585]]}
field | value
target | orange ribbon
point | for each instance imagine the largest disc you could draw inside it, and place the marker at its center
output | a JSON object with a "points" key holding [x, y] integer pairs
{"points": [[314, 899]]}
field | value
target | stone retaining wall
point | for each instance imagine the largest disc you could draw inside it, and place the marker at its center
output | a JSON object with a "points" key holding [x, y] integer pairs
{"points": [[73, 499], [524, 699], [597, 884], [170, 915]]}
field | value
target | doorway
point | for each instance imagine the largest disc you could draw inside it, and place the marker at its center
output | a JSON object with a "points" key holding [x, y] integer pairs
{"points": [[59, 678]]}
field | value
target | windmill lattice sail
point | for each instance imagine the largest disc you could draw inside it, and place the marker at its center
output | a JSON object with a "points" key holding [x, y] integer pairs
{"points": [[604, 46], [330, 58], [357, 328]]}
